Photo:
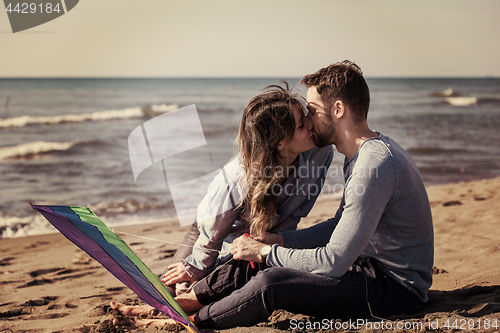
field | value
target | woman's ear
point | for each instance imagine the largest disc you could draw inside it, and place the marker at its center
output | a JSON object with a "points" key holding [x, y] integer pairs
{"points": [[280, 146]]}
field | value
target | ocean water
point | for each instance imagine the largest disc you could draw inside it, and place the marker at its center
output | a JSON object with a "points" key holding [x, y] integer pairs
{"points": [[65, 141]]}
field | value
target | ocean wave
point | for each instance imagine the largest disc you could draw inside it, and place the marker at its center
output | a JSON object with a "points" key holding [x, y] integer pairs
{"points": [[13, 226], [23, 121], [157, 109], [127, 206], [461, 101], [35, 224], [446, 93], [452, 97], [148, 111], [113, 213], [471, 100], [32, 149]]}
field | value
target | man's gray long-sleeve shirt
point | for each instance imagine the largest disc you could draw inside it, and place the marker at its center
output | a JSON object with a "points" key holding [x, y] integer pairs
{"points": [[384, 214]]}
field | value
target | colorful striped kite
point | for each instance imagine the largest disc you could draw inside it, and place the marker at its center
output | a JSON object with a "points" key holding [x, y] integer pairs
{"points": [[81, 226]]}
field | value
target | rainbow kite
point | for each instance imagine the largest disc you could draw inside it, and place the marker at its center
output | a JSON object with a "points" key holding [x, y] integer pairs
{"points": [[88, 232]]}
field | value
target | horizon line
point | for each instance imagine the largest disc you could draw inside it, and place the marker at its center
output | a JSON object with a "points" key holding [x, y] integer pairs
{"points": [[222, 77]]}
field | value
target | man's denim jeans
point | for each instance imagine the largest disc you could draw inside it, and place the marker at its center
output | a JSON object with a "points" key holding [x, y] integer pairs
{"points": [[362, 292]]}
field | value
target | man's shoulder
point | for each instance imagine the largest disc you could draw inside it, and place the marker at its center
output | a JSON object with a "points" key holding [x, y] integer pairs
{"points": [[382, 146], [388, 157], [376, 150], [376, 160]]}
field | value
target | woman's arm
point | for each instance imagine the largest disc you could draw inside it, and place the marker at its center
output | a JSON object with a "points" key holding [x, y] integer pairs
{"points": [[215, 217]]}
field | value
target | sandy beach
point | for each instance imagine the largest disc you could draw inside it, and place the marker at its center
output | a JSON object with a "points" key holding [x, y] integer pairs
{"points": [[48, 285]]}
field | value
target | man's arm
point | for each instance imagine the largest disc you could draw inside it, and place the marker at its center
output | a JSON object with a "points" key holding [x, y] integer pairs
{"points": [[320, 160], [315, 236], [366, 196]]}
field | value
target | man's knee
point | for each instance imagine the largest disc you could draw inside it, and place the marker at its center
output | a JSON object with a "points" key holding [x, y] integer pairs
{"points": [[271, 276], [272, 283]]}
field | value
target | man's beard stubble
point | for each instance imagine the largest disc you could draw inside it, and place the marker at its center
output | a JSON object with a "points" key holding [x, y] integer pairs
{"points": [[327, 135]]}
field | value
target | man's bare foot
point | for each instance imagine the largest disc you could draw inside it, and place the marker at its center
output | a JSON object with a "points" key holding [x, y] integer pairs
{"points": [[141, 323], [188, 302], [129, 310]]}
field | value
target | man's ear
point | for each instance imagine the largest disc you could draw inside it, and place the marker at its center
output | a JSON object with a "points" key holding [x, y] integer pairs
{"points": [[338, 109]]}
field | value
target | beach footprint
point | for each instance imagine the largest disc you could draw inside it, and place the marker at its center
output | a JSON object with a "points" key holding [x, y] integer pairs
{"points": [[167, 254], [6, 261], [27, 307], [44, 271], [81, 259], [436, 271], [62, 274]]}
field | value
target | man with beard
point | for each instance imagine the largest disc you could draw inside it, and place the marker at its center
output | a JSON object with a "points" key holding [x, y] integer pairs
{"points": [[373, 259]]}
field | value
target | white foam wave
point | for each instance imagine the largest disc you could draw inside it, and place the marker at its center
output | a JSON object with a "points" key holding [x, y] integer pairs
{"points": [[127, 206], [14, 227], [33, 148], [71, 118], [446, 93], [157, 109], [11, 227], [461, 101], [164, 107]]}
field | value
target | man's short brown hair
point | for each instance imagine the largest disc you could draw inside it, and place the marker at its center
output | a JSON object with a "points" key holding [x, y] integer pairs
{"points": [[342, 81]]}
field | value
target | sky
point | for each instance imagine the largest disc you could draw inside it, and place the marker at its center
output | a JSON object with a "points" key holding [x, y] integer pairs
{"points": [[257, 38]]}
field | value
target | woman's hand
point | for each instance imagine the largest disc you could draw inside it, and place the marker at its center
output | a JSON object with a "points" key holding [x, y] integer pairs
{"points": [[176, 273], [246, 248], [271, 238]]}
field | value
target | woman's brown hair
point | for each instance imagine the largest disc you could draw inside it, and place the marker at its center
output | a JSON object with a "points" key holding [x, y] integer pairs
{"points": [[267, 120]]}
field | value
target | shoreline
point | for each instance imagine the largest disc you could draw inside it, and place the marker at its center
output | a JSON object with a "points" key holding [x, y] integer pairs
{"points": [[47, 284], [171, 218]]}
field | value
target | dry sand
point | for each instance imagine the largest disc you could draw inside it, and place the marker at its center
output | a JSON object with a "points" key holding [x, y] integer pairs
{"points": [[48, 285]]}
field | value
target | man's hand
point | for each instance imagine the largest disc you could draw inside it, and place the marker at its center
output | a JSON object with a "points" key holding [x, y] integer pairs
{"points": [[246, 248], [176, 273]]}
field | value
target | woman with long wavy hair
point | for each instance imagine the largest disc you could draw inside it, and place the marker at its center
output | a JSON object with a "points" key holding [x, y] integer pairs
{"points": [[273, 182]]}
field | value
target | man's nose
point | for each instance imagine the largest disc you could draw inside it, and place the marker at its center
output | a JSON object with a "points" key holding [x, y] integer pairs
{"points": [[308, 123]]}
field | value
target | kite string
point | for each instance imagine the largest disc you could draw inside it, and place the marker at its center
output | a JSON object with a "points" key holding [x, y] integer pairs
{"points": [[163, 241], [158, 240]]}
